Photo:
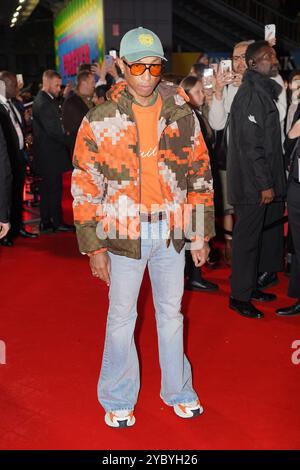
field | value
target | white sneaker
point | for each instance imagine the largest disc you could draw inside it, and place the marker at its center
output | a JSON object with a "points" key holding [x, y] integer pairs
{"points": [[119, 418], [188, 410]]}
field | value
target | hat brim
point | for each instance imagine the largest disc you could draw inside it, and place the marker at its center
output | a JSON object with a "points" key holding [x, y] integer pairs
{"points": [[134, 56]]}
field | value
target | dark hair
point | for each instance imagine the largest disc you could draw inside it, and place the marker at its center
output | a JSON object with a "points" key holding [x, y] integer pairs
{"points": [[171, 77], [101, 91], [6, 75], [201, 56], [188, 83], [84, 67], [289, 91], [293, 74], [253, 50], [199, 68], [83, 76]]}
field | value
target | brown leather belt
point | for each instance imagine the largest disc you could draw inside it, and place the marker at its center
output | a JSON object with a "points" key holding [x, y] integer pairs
{"points": [[153, 218]]}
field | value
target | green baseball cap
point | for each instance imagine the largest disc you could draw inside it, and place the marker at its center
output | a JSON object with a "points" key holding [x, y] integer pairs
{"points": [[139, 43]]}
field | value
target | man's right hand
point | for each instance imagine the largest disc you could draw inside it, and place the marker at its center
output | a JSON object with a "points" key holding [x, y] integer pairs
{"points": [[267, 196], [4, 228], [219, 85], [100, 267], [222, 79], [271, 40], [100, 70]]}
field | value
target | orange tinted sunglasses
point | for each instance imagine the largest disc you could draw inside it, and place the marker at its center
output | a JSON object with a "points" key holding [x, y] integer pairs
{"points": [[139, 68]]}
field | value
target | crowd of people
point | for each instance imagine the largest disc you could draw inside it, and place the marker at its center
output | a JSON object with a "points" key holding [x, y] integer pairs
{"points": [[143, 145], [39, 135]]}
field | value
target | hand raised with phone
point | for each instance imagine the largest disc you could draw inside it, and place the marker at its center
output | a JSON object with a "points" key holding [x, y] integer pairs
{"points": [[271, 40], [270, 34], [208, 78], [98, 69], [101, 69], [223, 78], [108, 66]]}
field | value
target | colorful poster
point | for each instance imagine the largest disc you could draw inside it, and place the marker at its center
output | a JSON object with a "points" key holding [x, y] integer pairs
{"points": [[79, 36]]}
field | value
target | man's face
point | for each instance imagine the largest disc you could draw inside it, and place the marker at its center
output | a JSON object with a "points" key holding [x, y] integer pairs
{"points": [[266, 62], [140, 86], [11, 86], [90, 85], [295, 83], [55, 86], [238, 60], [294, 87]]}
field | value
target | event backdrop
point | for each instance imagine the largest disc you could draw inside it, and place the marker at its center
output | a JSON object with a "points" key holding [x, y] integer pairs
{"points": [[79, 36]]}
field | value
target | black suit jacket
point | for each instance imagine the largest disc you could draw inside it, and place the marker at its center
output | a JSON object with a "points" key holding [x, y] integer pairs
{"points": [[49, 141], [5, 180], [73, 111], [12, 142]]}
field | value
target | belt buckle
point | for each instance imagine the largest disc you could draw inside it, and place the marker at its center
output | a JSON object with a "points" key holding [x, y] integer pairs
{"points": [[158, 216], [153, 218]]}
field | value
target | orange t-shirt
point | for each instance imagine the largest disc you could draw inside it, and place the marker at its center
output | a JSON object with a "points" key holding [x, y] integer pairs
{"points": [[147, 124]]}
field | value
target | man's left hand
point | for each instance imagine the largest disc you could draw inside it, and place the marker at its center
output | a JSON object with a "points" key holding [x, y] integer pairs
{"points": [[200, 256]]}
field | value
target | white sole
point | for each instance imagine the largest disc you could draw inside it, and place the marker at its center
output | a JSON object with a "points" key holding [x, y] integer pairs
{"points": [[122, 423], [179, 413]]}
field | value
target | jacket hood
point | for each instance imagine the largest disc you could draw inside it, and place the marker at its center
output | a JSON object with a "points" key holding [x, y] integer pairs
{"points": [[174, 100], [262, 82]]}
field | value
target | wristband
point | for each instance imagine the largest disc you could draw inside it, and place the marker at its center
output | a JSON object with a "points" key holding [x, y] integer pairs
{"points": [[102, 250]]}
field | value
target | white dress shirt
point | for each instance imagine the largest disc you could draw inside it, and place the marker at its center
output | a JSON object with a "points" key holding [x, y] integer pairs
{"points": [[15, 119]]}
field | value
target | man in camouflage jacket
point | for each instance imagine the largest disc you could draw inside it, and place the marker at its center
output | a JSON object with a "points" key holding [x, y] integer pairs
{"points": [[135, 205]]}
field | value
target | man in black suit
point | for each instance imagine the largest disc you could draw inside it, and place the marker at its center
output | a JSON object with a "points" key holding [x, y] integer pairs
{"points": [[50, 152], [5, 186], [11, 122], [77, 105], [256, 177]]}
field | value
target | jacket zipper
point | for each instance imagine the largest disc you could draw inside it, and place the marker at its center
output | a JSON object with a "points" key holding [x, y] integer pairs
{"points": [[140, 180]]}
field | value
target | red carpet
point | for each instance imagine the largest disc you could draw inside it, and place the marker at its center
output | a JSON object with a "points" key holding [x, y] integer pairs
{"points": [[52, 321]]}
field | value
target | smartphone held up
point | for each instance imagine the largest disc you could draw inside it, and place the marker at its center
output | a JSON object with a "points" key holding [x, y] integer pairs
{"points": [[270, 32], [110, 57], [208, 75], [20, 81], [109, 60], [113, 53], [226, 66]]}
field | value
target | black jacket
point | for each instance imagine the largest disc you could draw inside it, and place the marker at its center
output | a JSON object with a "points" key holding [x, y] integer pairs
{"points": [[16, 158], [73, 111], [49, 141], [5, 180], [255, 160], [291, 152]]}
